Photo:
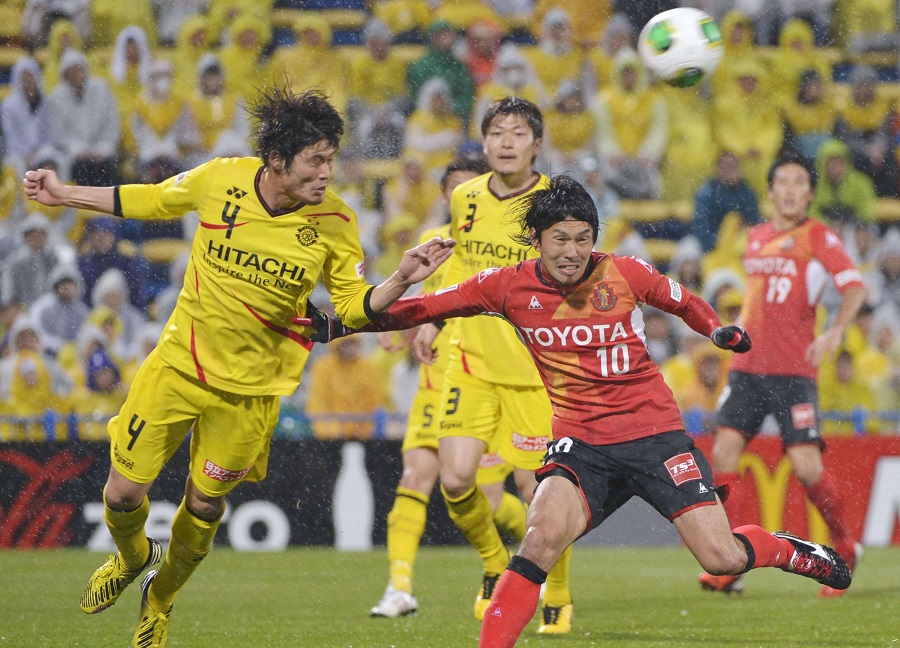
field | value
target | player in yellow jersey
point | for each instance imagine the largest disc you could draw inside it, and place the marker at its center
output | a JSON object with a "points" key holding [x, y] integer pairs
{"points": [[490, 378], [406, 521], [269, 228]]}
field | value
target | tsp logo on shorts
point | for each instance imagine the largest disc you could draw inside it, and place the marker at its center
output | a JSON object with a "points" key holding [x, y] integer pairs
{"points": [[683, 468], [803, 416], [307, 235]]}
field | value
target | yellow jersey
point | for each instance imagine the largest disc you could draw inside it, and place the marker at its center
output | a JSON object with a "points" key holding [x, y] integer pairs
{"points": [[251, 269], [487, 347], [432, 376]]}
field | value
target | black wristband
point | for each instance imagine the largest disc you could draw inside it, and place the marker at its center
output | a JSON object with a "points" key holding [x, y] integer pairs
{"points": [[117, 203], [440, 324]]}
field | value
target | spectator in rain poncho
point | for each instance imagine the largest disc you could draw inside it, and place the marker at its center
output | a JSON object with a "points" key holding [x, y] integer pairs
{"points": [[129, 69], [40, 16], [738, 41], [809, 116], [632, 129], [23, 115], [722, 194], [568, 128], [513, 77], [480, 49], [215, 111], [685, 266], [556, 59], [691, 148], [101, 252], [618, 35], [101, 397], [378, 95], [796, 53], [146, 341], [439, 61], [59, 314], [63, 36], [411, 191], [408, 19], [110, 17], [241, 58], [84, 122], [462, 14], [194, 41], [864, 125], [161, 126], [866, 25], [433, 129], [111, 291], [843, 194], [26, 272], [886, 281]]}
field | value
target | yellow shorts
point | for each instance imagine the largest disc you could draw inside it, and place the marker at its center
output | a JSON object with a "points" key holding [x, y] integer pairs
{"points": [[513, 421], [421, 432], [231, 432]]}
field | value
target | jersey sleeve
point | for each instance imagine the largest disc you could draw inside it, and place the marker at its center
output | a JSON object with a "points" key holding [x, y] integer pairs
{"points": [[666, 294], [169, 199], [483, 293], [455, 271], [343, 275], [829, 251]]}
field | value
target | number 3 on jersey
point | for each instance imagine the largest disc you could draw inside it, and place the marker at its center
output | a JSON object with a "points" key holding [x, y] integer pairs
{"points": [[779, 287], [470, 218]]}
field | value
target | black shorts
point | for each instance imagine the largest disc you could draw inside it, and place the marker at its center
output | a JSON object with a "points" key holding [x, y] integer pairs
{"points": [[793, 401], [665, 470]]}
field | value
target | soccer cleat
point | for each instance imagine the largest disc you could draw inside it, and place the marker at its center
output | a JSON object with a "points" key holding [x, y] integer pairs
{"points": [[111, 579], [153, 627], [822, 564], [483, 600], [395, 603], [851, 552], [724, 584], [557, 620]]}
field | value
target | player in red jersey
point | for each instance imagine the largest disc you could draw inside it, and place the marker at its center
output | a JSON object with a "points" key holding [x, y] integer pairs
{"points": [[788, 260], [616, 428]]}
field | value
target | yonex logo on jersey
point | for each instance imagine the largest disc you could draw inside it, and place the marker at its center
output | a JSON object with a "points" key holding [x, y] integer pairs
{"points": [[237, 193], [472, 194], [683, 468], [307, 235], [534, 304], [604, 298]]}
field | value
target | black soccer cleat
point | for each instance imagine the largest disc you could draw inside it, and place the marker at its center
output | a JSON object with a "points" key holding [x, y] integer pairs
{"points": [[816, 561]]}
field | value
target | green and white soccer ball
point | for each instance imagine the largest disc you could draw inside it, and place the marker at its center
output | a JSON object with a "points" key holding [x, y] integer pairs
{"points": [[681, 46]]}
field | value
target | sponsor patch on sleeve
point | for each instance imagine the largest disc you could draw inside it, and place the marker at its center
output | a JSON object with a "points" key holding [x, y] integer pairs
{"points": [[360, 269], [447, 289], [841, 279], [675, 290]]}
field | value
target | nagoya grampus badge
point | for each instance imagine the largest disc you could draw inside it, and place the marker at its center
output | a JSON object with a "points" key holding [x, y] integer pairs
{"points": [[604, 299]]}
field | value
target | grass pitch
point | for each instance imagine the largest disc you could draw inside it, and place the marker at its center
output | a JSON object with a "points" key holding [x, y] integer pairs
{"points": [[319, 598]]}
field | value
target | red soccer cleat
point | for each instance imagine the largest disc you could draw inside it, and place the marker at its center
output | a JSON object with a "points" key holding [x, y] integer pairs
{"points": [[724, 584]]}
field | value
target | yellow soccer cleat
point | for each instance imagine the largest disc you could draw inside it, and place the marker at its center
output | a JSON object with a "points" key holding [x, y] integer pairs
{"points": [[557, 620], [153, 628], [111, 579], [483, 600]]}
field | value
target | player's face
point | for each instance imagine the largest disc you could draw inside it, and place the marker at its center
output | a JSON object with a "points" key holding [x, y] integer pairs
{"points": [[454, 180], [309, 174], [510, 145], [791, 192], [565, 250]]}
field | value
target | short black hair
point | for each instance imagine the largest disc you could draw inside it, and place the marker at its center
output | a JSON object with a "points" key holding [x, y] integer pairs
{"points": [[473, 164], [514, 106], [790, 155], [563, 199], [285, 122]]}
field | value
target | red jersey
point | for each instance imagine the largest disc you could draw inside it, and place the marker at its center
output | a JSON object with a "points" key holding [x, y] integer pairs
{"points": [[786, 274], [587, 340]]}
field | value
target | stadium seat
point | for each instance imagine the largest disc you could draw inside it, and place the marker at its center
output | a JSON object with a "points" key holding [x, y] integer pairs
{"points": [[887, 210], [164, 250]]}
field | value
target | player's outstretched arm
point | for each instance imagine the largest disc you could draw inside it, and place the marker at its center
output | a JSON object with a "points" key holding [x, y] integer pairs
{"points": [[44, 186], [417, 264]]}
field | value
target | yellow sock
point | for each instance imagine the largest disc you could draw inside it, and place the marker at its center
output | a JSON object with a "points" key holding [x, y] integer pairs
{"points": [[405, 526], [472, 514], [191, 540], [557, 593], [510, 516], [127, 530]]}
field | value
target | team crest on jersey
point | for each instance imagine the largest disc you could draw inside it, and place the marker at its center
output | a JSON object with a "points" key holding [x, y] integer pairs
{"points": [[237, 193], [307, 235], [604, 298]]}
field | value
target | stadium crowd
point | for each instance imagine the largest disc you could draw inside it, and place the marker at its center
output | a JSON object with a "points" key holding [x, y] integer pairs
{"points": [[108, 92]]}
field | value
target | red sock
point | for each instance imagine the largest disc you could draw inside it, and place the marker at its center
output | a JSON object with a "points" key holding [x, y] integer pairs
{"points": [[732, 504], [512, 606], [826, 497], [765, 550]]}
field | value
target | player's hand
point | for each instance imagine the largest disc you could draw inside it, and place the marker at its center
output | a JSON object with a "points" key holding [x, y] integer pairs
{"points": [[824, 345], [421, 261], [731, 338], [44, 186], [325, 328], [423, 345]]}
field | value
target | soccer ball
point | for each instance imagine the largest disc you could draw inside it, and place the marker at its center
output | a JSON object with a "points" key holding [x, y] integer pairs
{"points": [[681, 46]]}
